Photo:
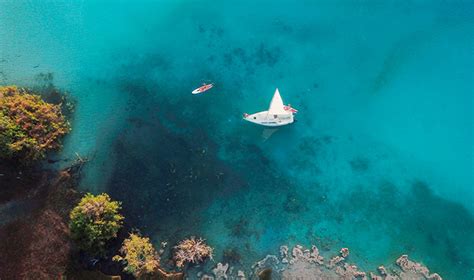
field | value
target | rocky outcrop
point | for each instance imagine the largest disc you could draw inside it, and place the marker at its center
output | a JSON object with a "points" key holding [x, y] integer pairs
{"points": [[309, 264], [348, 271], [220, 271], [344, 252], [409, 266]]}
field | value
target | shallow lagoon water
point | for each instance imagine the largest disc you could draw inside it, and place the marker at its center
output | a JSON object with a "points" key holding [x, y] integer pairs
{"points": [[381, 157]]}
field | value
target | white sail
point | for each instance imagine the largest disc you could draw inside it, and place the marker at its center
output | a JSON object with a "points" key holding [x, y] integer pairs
{"points": [[275, 116], [276, 106]]}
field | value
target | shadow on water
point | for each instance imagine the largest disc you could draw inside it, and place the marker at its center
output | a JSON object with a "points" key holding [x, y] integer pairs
{"points": [[163, 176]]}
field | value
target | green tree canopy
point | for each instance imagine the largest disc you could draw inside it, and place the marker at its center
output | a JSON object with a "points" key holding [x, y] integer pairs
{"points": [[139, 255], [29, 126], [94, 221]]}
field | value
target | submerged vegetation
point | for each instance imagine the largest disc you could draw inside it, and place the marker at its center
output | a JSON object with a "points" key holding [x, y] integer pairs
{"points": [[29, 126], [94, 221], [138, 255]]}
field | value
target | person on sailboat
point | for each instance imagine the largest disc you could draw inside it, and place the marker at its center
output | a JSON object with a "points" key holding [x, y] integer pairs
{"points": [[291, 109]]}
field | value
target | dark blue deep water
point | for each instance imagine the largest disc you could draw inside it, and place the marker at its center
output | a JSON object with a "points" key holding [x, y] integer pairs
{"points": [[380, 159]]}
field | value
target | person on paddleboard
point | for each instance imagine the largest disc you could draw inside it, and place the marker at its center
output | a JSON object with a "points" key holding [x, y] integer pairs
{"points": [[203, 88]]}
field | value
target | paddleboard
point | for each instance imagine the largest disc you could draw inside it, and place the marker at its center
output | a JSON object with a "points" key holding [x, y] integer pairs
{"points": [[202, 89]]}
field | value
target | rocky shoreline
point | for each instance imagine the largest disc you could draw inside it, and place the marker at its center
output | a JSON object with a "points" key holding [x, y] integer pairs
{"points": [[307, 264], [39, 245]]}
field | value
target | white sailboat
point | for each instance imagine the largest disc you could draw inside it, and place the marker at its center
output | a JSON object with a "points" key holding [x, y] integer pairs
{"points": [[277, 114]]}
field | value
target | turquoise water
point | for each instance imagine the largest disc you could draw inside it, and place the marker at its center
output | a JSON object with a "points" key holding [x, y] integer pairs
{"points": [[380, 159]]}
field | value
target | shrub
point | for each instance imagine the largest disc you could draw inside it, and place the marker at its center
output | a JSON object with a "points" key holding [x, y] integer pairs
{"points": [[94, 221], [139, 255], [29, 126], [191, 250]]}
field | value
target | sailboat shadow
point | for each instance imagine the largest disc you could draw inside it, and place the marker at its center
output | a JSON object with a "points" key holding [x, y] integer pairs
{"points": [[268, 132]]}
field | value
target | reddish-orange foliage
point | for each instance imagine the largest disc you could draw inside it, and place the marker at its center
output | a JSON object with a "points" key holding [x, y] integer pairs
{"points": [[30, 126]]}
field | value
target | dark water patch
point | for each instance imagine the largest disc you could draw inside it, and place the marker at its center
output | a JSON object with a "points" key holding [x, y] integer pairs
{"points": [[240, 54], [232, 256], [236, 56], [263, 55], [138, 122], [240, 228], [211, 30], [268, 56], [312, 145], [282, 27], [359, 164], [166, 176], [309, 149], [134, 67], [295, 203], [401, 51], [43, 85], [228, 59], [256, 157]]}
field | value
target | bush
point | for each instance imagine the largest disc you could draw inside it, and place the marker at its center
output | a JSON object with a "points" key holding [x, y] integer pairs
{"points": [[29, 126], [94, 221], [191, 250], [139, 255]]}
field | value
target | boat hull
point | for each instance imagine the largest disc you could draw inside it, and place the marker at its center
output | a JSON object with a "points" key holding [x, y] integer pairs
{"points": [[263, 118]]}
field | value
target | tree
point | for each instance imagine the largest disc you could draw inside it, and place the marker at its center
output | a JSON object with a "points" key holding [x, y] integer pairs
{"points": [[191, 250], [139, 255], [29, 126], [94, 221]]}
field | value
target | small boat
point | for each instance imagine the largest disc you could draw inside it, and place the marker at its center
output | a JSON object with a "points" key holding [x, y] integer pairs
{"points": [[277, 114], [202, 89]]}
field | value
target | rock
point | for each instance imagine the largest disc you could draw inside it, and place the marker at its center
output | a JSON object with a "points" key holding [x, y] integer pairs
{"points": [[375, 277], [353, 271], [241, 275], [344, 252], [335, 260], [306, 253], [382, 270], [308, 264], [410, 266], [314, 256], [269, 260], [297, 252], [221, 271], [265, 274], [340, 270], [350, 271], [434, 276], [284, 253]]}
